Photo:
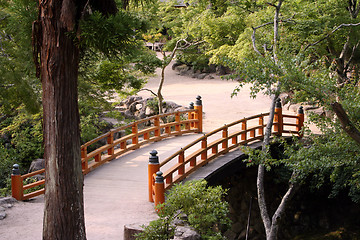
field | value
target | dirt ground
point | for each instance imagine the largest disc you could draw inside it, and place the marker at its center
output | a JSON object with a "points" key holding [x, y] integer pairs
{"points": [[24, 220]]}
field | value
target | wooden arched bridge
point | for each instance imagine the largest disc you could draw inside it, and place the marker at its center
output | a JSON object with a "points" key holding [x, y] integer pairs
{"points": [[163, 174]]}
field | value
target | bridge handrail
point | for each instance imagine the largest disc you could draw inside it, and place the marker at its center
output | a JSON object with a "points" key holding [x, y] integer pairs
{"points": [[91, 160], [188, 164]]}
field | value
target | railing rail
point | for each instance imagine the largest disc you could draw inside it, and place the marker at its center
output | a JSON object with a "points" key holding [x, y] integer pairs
{"points": [[218, 142], [112, 144]]}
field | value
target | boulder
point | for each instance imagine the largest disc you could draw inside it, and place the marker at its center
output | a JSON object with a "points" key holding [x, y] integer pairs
{"points": [[130, 230], [37, 164], [186, 233]]}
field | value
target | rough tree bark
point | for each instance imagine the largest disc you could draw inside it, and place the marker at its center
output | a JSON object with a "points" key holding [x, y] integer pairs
{"points": [[57, 59], [346, 124]]}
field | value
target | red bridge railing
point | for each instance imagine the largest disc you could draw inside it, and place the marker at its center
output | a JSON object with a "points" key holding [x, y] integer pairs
{"points": [[112, 145], [162, 176]]}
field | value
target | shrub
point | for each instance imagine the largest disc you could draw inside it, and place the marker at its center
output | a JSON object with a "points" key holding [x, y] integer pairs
{"points": [[204, 207]]}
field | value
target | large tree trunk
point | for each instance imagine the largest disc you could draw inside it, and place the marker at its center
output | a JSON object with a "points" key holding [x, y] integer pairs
{"points": [[64, 208]]}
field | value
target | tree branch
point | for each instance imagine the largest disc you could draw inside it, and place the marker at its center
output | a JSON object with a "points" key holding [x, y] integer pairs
{"points": [[253, 38], [346, 123], [332, 32], [282, 207], [149, 90], [352, 55]]}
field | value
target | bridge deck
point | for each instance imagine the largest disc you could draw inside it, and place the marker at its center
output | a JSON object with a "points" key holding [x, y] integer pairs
{"points": [[115, 194]]}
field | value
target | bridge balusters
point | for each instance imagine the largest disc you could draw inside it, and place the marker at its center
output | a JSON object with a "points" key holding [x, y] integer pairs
{"points": [[153, 167], [17, 183], [98, 157], [193, 162], [225, 134], [300, 121], [177, 119], [134, 130], [278, 118], [244, 128], [204, 150], [157, 126], [84, 164], [110, 141], [214, 150], [198, 115], [181, 159], [261, 123], [252, 133]]}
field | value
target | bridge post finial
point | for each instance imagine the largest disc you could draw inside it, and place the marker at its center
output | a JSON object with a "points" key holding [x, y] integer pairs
{"points": [[198, 115], [300, 121], [153, 167], [16, 183], [159, 188]]}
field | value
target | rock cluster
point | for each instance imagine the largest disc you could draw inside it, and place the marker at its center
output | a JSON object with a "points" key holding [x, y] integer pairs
{"points": [[182, 231], [308, 108], [185, 70], [135, 107]]}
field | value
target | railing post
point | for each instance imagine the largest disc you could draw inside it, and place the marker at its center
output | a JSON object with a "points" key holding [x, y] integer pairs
{"points": [[244, 128], [190, 116], [224, 144], [204, 149], [278, 118], [153, 167], [261, 123], [300, 121], [181, 160], [157, 126], [16, 183], [84, 164], [177, 120], [199, 117], [110, 141], [134, 130], [159, 188]]}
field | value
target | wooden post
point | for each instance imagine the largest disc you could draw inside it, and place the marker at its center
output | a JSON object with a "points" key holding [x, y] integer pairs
{"points": [[243, 128], [191, 116], [300, 121], [134, 130], [159, 188], [110, 141], [261, 123], [204, 149], [177, 120], [278, 118], [153, 167], [84, 164], [199, 116], [224, 144], [181, 159], [157, 126], [17, 183]]}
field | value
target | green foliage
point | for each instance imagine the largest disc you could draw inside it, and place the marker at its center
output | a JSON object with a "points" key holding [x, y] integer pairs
{"points": [[112, 35], [18, 84], [7, 160], [159, 229], [203, 206], [22, 132]]}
